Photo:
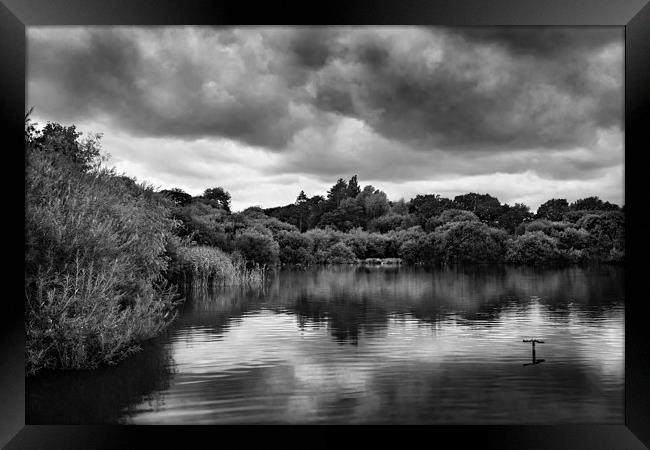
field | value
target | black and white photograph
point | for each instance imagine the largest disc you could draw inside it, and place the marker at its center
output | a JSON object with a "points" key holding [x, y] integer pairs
{"points": [[324, 225]]}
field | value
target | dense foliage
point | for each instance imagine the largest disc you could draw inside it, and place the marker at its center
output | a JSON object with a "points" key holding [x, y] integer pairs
{"points": [[353, 223], [95, 252]]}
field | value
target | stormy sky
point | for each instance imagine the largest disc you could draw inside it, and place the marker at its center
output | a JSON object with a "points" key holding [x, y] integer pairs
{"points": [[524, 114]]}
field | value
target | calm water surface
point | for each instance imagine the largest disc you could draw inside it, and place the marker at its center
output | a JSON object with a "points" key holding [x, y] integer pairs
{"points": [[370, 345]]}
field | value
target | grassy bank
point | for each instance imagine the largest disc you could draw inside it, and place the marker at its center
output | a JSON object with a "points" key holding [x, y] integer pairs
{"points": [[100, 250], [94, 255]]}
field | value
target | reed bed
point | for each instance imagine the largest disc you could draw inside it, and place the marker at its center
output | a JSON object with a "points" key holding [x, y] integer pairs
{"points": [[204, 266], [76, 320]]}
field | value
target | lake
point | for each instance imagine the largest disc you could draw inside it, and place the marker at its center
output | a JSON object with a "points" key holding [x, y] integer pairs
{"points": [[362, 344]]}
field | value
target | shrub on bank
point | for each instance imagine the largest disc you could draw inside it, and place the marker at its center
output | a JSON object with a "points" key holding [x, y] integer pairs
{"points": [[550, 228], [257, 247], [574, 238], [295, 248], [339, 253], [533, 248], [376, 245], [365, 244], [470, 242], [395, 239], [357, 241], [203, 223], [420, 249], [323, 239], [95, 244], [607, 234]]}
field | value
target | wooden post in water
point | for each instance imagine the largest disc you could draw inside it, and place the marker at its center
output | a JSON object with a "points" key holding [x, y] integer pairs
{"points": [[533, 341]]}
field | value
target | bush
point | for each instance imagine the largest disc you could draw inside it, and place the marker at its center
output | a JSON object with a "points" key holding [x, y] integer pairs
{"points": [[295, 248], [574, 238], [376, 245], [366, 245], [574, 245], [469, 242], [574, 216], [323, 239], [276, 226], [255, 218], [357, 241], [547, 227], [575, 256], [420, 249], [339, 253], [257, 247], [607, 234], [204, 224], [395, 239], [204, 234], [533, 248], [413, 245], [605, 224]]}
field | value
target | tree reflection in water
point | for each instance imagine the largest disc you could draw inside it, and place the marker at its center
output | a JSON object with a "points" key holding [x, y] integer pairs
{"points": [[369, 345]]}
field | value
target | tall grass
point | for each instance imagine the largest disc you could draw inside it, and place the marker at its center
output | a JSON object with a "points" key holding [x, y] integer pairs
{"points": [[204, 266], [94, 256], [75, 320]]}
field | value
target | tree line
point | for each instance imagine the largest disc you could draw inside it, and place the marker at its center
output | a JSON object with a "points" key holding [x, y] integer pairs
{"points": [[350, 223]]}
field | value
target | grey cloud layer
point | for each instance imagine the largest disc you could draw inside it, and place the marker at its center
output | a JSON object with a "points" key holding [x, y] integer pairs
{"points": [[446, 90], [431, 88], [164, 82], [186, 104]]}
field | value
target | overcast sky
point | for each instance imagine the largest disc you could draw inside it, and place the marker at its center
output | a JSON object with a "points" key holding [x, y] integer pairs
{"points": [[524, 114]]}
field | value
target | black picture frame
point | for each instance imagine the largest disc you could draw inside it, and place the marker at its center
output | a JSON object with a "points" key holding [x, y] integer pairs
{"points": [[633, 15]]}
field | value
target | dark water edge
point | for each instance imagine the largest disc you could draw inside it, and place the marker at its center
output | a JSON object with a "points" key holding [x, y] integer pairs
{"points": [[365, 344]]}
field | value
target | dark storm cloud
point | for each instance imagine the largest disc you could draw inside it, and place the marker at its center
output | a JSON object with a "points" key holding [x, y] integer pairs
{"points": [[311, 47], [543, 41], [87, 76], [448, 90], [153, 83], [572, 48], [451, 90]]}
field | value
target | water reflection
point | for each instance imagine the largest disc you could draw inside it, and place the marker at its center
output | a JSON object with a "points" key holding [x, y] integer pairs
{"points": [[376, 345], [103, 396]]}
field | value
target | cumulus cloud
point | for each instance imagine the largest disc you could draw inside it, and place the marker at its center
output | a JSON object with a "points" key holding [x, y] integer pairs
{"points": [[437, 89], [180, 82], [272, 106], [434, 86]]}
